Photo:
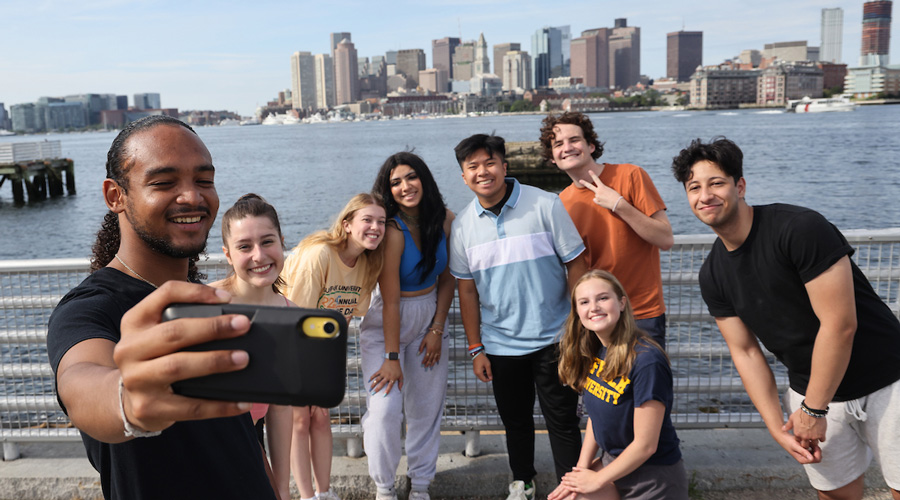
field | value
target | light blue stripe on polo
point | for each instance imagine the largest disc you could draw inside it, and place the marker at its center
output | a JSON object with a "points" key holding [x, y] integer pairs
{"points": [[510, 250]]}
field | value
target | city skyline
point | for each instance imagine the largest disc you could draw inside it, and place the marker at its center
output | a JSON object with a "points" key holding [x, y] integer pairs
{"points": [[237, 56]]}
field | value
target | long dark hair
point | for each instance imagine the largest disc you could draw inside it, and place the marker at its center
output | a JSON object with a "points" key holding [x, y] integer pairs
{"points": [[250, 205], [109, 236], [432, 209]]}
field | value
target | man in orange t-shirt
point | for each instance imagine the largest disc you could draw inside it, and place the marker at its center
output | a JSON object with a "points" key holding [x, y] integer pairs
{"points": [[618, 212]]}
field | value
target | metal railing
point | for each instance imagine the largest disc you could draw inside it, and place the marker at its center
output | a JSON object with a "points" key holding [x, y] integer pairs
{"points": [[708, 391]]}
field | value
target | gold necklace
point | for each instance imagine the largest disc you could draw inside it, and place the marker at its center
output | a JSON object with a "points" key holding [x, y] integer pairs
{"points": [[412, 220], [134, 272]]}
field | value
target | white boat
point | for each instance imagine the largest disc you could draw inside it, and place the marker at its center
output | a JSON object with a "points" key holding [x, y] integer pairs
{"points": [[274, 119], [250, 121], [807, 105]]}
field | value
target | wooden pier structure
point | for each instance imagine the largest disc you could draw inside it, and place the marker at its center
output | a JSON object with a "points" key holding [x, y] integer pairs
{"points": [[35, 169], [526, 165]]}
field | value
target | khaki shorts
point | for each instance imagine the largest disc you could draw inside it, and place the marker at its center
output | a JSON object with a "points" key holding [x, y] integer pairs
{"points": [[857, 430]]}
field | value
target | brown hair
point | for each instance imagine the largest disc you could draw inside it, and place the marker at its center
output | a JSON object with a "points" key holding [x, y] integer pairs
{"points": [[568, 118], [250, 205], [579, 345]]}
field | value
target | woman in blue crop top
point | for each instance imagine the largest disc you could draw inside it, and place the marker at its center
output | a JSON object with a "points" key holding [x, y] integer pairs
{"points": [[404, 348]]}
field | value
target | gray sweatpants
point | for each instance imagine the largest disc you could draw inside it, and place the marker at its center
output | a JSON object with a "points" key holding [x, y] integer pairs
{"points": [[422, 396]]}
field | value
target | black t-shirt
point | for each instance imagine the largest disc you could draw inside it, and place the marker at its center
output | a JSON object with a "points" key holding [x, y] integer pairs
{"points": [[215, 458], [763, 283]]}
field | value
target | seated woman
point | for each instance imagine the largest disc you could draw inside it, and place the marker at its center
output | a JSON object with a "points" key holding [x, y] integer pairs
{"points": [[626, 381]]}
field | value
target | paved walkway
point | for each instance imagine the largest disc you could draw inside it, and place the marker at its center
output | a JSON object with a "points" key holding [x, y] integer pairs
{"points": [[724, 464]]}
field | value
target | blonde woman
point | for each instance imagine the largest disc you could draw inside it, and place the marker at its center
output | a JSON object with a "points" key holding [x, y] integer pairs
{"points": [[334, 269]]}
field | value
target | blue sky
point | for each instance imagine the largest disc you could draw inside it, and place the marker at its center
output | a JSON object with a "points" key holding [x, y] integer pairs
{"points": [[235, 54]]}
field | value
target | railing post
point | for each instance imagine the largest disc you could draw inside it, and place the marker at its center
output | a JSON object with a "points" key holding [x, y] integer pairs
{"points": [[10, 451], [473, 443], [354, 447]]}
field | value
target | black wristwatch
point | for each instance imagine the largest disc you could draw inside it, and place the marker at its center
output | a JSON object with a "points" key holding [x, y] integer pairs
{"points": [[393, 356]]}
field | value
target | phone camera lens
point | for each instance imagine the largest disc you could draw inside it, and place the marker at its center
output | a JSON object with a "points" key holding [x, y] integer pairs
{"points": [[329, 328]]}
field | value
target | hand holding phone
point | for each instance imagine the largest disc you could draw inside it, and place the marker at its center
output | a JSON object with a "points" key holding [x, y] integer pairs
{"points": [[298, 356]]}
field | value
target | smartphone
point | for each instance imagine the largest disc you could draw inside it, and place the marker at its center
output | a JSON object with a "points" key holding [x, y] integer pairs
{"points": [[298, 356]]}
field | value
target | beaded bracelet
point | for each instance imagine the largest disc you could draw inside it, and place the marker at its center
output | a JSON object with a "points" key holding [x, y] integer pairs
{"points": [[813, 412], [479, 353]]}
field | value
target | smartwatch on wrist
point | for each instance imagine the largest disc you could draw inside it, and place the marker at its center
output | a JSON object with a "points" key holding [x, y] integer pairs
{"points": [[393, 356]]}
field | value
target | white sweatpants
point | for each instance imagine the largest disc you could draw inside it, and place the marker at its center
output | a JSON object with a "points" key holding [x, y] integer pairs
{"points": [[422, 396]]}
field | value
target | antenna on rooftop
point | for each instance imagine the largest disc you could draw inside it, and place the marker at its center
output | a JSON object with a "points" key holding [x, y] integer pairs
{"points": [[459, 26]]}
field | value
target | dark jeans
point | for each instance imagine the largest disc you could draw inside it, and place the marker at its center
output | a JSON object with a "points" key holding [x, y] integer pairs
{"points": [[655, 328], [515, 381]]}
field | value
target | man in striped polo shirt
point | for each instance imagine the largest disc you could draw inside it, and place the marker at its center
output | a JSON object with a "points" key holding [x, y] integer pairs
{"points": [[515, 253]]}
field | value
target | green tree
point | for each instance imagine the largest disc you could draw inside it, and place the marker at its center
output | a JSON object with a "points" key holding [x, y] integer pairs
{"points": [[522, 105]]}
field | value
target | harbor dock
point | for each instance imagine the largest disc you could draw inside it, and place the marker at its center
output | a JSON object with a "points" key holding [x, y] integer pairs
{"points": [[37, 170]]}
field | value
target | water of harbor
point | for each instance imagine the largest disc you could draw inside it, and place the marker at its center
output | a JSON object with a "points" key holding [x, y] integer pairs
{"points": [[841, 164]]}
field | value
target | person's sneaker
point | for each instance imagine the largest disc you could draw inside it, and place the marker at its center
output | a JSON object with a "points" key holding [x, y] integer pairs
{"points": [[391, 495], [328, 495], [518, 490], [419, 495]]}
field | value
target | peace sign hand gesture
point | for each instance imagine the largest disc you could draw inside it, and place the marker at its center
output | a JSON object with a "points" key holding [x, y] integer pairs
{"points": [[604, 195]]}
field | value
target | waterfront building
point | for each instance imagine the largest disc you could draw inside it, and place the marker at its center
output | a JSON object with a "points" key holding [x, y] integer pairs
{"points": [[482, 63], [463, 61], [833, 75], [590, 58], [5, 122], [303, 81], [486, 85], [832, 35], [346, 81], [23, 117], [433, 80], [147, 101], [410, 62], [790, 51], [876, 33], [550, 49], [684, 53], [751, 57], [723, 86], [499, 51], [870, 81], [785, 81], [624, 55], [118, 118], [324, 81], [442, 54], [516, 71], [374, 85]]}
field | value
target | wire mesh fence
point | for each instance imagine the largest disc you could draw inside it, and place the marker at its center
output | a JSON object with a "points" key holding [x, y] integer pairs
{"points": [[708, 391]]}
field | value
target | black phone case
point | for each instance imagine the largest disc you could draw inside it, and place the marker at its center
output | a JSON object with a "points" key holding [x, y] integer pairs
{"points": [[286, 366]]}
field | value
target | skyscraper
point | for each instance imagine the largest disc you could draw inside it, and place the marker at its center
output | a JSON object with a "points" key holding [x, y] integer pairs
{"points": [[547, 55], [442, 54], [832, 35], [463, 61], [515, 70], [147, 101], [500, 50], [624, 55], [303, 81], [336, 38], [590, 57], [410, 62], [482, 62], [876, 33], [324, 81], [684, 52], [346, 78]]}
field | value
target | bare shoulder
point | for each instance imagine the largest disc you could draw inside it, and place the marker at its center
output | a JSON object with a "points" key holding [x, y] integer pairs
{"points": [[448, 221]]}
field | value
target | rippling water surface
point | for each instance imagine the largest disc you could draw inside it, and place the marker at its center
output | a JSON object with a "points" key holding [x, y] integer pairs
{"points": [[844, 165]]}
